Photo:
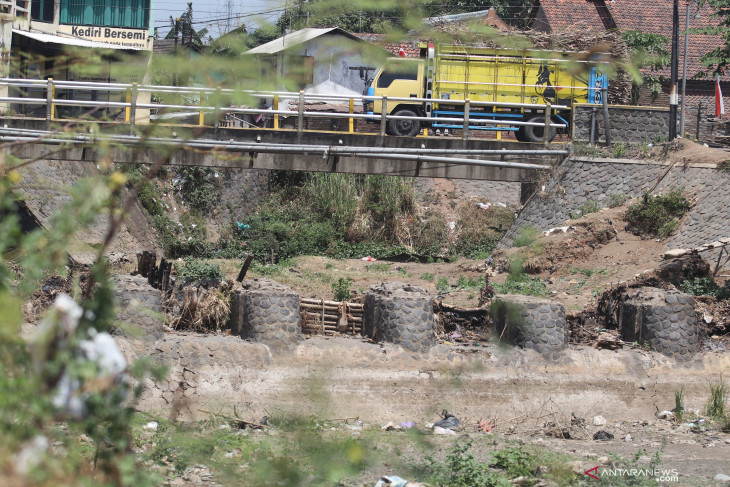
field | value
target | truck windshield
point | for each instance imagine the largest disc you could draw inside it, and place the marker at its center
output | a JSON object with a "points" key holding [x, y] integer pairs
{"points": [[398, 70]]}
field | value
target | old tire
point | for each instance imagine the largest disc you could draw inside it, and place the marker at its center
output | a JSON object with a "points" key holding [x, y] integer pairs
{"points": [[520, 134], [405, 128], [535, 133]]}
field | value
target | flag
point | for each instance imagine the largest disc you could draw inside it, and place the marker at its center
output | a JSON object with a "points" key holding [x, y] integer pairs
{"points": [[719, 105], [402, 52]]}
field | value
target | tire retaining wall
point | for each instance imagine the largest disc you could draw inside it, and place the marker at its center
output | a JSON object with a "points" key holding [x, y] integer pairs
{"points": [[399, 313], [267, 312], [664, 319], [140, 305], [530, 322]]}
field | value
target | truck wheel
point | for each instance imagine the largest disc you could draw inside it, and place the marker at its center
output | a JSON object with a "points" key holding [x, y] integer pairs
{"points": [[405, 128], [520, 134], [535, 133]]}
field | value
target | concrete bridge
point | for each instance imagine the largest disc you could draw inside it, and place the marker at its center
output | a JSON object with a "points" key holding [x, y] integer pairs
{"points": [[184, 145]]}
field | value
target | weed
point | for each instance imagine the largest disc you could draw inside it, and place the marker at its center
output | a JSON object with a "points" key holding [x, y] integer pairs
{"points": [[442, 284], [645, 150], [329, 265], [705, 286], [526, 236], [379, 267], [679, 405], [461, 469], [587, 150], [199, 187], [518, 282], [658, 215], [716, 406], [617, 199], [516, 462], [196, 269], [585, 209], [341, 289], [619, 149], [479, 229], [470, 283], [402, 271], [427, 276]]}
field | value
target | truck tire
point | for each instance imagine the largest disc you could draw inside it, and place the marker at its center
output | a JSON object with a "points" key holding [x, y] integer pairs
{"points": [[534, 133], [520, 134], [404, 128]]}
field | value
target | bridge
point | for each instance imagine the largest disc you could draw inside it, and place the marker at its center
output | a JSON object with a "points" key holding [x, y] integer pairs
{"points": [[67, 120]]}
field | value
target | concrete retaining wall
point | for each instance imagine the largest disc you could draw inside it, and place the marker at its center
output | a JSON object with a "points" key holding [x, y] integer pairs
{"points": [[630, 124], [140, 307], [582, 180]]}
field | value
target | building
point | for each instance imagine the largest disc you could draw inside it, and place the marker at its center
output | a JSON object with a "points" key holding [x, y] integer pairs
{"points": [[329, 60], [76, 40], [651, 16]]}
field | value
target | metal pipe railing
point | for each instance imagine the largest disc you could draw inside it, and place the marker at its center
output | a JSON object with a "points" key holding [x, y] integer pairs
{"points": [[201, 98]]}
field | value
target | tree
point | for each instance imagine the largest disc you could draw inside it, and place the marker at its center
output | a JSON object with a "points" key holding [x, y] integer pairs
{"points": [[718, 58], [647, 50]]}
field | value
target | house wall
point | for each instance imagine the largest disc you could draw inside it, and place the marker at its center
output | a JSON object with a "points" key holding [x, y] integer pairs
{"points": [[334, 55], [697, 91]]}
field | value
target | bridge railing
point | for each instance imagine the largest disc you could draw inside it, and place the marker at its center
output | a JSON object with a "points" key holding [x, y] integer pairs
{"points": [[215, 106], [16, 8]]}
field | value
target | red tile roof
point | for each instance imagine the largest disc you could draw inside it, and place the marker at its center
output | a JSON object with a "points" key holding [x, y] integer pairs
{"points": [[410, 46], [653, 16], [562, 14]]}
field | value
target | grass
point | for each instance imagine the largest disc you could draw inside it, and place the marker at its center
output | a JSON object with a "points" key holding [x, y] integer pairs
{"points": [[679, 405], [526, 236], [716, 405]]}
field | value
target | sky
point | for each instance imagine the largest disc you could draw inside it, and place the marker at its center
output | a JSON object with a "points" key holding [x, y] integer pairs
{"points": [[214, 14]]}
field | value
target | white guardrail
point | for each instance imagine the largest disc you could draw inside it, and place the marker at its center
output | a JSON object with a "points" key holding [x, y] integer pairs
{"points": [[216, 101]]}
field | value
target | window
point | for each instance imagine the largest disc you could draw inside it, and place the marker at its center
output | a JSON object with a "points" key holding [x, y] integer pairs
{"points": [[134, 14], [41, 10], [398, 70]]}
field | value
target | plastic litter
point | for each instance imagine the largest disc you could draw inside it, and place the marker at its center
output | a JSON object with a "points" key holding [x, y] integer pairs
{"points": [[391, 481], [369, 259], [407, 425], [602, 435], [438, 430], [449, 421]]}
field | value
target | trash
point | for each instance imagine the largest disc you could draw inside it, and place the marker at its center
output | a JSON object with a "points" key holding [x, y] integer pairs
{"points": [[627, 438], [602, 435], [369, 259], [607, 341], [391, 481], [485, 426], [484, 206], [30, 454], [438, 430], [152, 425], [455, 335], [449, 421], [564, 229], [391, 426], [668, 415], [407, 425], [599, 421], [721, 477]]}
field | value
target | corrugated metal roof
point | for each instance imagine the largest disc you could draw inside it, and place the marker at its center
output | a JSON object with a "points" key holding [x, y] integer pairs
{"points": [[455, 17], [296, 38]]}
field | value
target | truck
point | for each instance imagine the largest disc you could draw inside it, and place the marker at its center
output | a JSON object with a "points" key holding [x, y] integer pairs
{"points": [[517, 83]]}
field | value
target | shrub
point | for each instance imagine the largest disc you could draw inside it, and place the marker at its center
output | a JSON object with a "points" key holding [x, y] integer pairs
{"points": [[427, 276], [526, 236], [341, 289], [589, 207], [196, 269], [617, 199], [522, 284], [442, 284], [659, 215], [198, 187], [479, 230]]}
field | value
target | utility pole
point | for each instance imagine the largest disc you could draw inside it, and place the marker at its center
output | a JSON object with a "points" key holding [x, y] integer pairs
{"points": [[673, 95], [684, 72]]}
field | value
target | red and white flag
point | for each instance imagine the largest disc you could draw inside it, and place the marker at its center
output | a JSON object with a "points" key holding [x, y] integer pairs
{"points": [[719, 104], [402, 52]]}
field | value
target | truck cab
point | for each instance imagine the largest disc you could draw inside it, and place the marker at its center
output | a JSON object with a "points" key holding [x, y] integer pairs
{"points": [[399, 78]]}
